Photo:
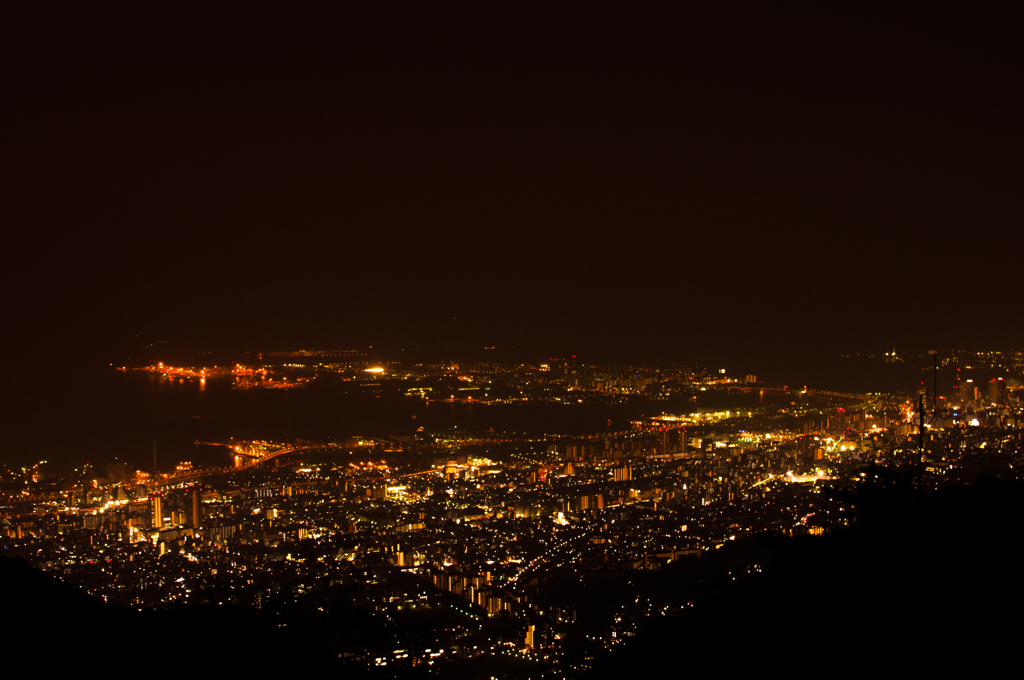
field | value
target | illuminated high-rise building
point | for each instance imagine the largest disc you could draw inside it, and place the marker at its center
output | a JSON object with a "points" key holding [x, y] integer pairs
{"points": [[197, 509], [997, 391], [156, 505]]}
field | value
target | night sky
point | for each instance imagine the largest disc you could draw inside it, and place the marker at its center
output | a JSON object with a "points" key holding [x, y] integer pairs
{"points": [[757, 187]]}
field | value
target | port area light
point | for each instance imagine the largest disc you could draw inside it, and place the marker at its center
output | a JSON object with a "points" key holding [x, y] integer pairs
{"points": [[374, 369]]}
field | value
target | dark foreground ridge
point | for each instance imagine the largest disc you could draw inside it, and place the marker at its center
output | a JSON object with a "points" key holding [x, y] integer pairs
{"points": [[51, 621], [920, 587]]}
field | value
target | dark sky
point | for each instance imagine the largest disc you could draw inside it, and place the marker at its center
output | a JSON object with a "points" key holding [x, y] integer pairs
{"points": [[609, 182]]}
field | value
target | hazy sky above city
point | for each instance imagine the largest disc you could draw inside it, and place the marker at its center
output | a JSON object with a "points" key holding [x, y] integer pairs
{"points": [[593, 180]]}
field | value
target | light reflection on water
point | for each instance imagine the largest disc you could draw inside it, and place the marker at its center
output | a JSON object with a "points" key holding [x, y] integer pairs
{"points": [[182, 411]]}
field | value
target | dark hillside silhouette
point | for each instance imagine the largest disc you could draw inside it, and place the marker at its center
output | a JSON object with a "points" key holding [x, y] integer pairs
{"points": [[923, 587]]}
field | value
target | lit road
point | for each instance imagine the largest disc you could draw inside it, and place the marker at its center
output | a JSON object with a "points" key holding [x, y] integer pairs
{"points": [[545, 559]]}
